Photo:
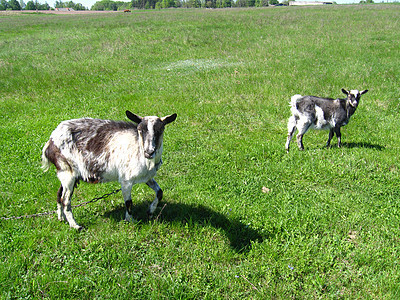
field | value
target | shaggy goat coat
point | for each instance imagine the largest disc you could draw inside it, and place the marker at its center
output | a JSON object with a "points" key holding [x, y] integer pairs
{"points": [[95, 150], [321, 113]]}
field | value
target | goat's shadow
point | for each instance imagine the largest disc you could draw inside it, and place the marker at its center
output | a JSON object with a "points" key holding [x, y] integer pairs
{"points": [[239, 235], [363, 145]]}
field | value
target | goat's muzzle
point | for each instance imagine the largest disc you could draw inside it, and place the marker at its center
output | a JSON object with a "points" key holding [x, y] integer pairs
{"points": [[150, 154], [353, 103]]}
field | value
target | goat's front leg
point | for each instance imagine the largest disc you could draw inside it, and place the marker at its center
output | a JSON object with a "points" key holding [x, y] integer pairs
{"points": [[331, 133], [126, 188], [159, 194], [339, 137]]}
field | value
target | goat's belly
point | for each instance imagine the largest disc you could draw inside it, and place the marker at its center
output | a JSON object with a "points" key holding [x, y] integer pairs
{"points": [[322, 125], [145, 177], [320, 122], [107, 177], [139, 175], [100, 177]]}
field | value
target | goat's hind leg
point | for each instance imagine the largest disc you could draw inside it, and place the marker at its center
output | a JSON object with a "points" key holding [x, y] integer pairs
{"points": [[302, 128], [291, 129], [68, 182], [159, 194], [60, 211]]}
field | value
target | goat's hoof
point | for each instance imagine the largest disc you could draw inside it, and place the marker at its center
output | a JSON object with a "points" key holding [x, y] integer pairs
{"points": [[78, 228], [129, 218], [62, 219]]}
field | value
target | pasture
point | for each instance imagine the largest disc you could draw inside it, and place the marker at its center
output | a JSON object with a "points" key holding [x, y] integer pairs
{"points": [[240, 218]]}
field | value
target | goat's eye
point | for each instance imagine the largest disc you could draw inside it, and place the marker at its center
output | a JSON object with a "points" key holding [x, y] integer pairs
{"points": [[141, 127], [159, 128]]}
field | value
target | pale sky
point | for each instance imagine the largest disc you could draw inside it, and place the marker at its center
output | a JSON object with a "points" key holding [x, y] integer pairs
{"points": [[85, 3]]}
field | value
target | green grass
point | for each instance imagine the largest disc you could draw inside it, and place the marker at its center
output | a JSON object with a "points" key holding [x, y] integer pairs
{"points": [[327, 226]]}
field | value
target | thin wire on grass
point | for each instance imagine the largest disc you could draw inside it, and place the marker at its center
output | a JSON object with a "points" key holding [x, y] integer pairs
{"points": [[54, 211]]}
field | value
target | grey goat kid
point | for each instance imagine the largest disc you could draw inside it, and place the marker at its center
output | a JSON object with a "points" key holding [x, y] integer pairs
{"points": [[95, 150], [321, 113]]}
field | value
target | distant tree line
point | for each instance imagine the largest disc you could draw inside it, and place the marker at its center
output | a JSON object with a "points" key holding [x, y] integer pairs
{"points": [[70, 4], [158, 4], [140, 4], [110, 5], [20, 5], [35, 5]]}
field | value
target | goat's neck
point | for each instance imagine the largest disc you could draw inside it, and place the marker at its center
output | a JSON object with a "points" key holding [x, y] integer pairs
{"points": [[158, 164], [350, 109], [156, 161]]}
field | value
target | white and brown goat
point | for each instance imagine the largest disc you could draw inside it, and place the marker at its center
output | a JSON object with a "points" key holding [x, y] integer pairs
{"points": [[95, 150], [321, 113]]}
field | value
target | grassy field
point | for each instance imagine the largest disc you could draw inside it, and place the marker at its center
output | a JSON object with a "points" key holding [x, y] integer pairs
{"points": [[240, 219]]}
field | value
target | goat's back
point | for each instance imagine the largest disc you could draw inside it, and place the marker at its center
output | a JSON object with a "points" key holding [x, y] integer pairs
{"points": [[89, 134], [95, 149], [307, 104]]}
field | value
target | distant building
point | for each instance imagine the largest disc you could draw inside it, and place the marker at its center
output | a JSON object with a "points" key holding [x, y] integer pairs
{"points": [[291, 3], [64, 9]]}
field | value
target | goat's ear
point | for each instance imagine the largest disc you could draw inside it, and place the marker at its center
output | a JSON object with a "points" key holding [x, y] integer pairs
{"points": [[345, 92], [363, 92], [133, 117], [169, 119]]}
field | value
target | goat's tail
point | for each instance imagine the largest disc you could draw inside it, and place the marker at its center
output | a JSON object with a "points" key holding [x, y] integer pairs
{"points": [[294, 99], [45, 160], [293, 103]]}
